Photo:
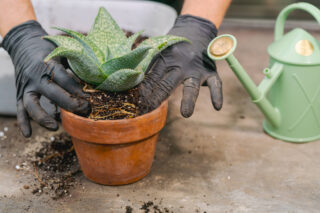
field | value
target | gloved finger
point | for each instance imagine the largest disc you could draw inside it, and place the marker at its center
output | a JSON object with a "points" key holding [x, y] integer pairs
{"points": [[155, 74], [23, 120], [31, 103], [52, 109], [215, 86], [153, 62], [190, 94], [165, 86], [64, 80], [62, 98]]}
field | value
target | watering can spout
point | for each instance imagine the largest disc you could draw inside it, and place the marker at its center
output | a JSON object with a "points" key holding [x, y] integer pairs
{"points": [[222, 48]]}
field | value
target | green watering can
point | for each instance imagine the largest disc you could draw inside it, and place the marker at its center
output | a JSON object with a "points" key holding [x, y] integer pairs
{"points": [[289, 95]]}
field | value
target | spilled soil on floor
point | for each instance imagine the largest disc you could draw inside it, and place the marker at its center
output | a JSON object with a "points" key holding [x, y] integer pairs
{"points": [[55, 167]]}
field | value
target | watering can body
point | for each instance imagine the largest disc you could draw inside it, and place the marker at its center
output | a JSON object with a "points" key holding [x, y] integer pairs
{"points": [[289, 95], [296, 95]]}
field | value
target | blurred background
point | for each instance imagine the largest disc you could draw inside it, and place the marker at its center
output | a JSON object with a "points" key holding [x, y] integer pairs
{"points": [[265, 9], [255, 9]]}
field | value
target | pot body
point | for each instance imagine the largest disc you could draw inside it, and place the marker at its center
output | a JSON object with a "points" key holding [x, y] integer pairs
{"points": [[115, 152], [296, 94]]}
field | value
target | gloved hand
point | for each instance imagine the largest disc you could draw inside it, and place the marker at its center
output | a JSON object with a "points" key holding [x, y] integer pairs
{"points": [[184, 63], [34, 78]]}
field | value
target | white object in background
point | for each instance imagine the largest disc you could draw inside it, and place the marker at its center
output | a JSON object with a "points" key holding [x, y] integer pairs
{"points": [[154, 18]]}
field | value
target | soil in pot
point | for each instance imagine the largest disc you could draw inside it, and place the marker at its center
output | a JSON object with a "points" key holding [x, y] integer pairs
{"points": [[115, 105]]}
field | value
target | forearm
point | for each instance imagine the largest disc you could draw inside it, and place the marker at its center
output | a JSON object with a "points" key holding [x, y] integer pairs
{"points": [[213, 10], [13, 13]]}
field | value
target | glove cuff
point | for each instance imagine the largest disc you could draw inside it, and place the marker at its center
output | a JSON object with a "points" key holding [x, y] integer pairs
{"points": [[20, 33], [206, 26]]}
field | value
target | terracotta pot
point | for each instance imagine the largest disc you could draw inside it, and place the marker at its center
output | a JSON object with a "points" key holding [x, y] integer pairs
{"points": [[115, 152]]}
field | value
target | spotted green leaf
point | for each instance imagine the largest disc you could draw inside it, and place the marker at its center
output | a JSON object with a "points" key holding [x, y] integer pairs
{"points": [[128, 61], [122, 80], [107, 54]]}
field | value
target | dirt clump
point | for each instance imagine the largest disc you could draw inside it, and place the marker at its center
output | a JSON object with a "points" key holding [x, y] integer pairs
{"points": [[150, 207], [129, 209], [55, 167]]}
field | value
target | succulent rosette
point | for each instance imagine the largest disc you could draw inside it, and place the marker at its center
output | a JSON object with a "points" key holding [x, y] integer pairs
{"points": [[104, 58]]}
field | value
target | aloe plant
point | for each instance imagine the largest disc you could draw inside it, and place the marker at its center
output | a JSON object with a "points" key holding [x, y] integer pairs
{"points": [[104, 58]]}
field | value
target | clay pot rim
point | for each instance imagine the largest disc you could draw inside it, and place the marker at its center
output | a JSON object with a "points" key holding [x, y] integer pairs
{"points": [[119, 121]]}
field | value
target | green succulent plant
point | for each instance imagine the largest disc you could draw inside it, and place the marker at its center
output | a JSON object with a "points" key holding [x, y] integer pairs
{"points": [[104, 58]]}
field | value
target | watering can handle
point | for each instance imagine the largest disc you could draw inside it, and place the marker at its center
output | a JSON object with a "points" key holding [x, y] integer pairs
{"points": [[279, 28]]}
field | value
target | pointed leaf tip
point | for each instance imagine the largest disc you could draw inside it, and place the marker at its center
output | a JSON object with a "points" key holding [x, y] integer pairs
{"points": [[106, 32], [158, 43], [64, 41]]}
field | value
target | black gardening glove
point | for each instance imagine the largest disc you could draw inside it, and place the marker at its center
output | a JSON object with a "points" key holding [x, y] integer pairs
{"points": [[185, 63], [34, 78]]}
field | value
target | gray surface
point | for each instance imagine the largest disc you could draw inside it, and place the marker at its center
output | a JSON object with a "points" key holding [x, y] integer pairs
{"points": [[233, 166], [7, 95]]}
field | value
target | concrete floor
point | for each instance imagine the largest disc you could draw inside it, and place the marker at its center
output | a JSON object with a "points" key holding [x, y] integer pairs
{"points": [[233, 165]]}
